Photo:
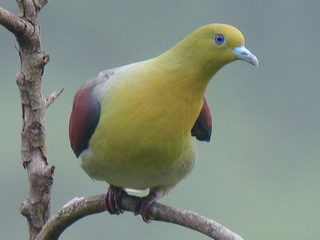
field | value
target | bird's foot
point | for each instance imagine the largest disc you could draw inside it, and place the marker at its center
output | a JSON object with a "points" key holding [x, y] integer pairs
{"points": [[144, 205], [113, 199]]}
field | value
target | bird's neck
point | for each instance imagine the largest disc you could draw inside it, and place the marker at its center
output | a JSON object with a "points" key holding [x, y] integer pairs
{"points": [[186, 71]]}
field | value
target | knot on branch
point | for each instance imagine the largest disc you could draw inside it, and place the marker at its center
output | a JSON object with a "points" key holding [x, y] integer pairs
{"points": [[35, 207], [41, 60], [35, 133], [42, 182], [27, 210], [40, 3], [21, 81], [45, 59]]}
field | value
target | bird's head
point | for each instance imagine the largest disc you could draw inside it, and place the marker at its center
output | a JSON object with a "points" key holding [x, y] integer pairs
{"points": [[213, 46], [227, 44]]}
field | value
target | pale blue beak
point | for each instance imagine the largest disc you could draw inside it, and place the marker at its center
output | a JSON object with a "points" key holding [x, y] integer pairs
{"points": [[246, 55]]}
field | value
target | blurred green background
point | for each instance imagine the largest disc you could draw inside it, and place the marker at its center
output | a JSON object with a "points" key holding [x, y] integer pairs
{"points": [[260, 174]]}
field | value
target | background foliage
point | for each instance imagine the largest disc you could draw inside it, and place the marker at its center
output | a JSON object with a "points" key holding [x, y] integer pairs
{"points": [[259, 175]]}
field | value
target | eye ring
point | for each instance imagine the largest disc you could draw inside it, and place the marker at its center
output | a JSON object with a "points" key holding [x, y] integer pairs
{"points": [[219, 39]]}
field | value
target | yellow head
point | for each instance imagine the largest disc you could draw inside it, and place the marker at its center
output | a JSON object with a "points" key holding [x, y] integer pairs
{"points": [[210, 47]]}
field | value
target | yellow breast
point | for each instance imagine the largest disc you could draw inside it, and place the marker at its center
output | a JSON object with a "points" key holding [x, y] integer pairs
{"points": [[144, 129]]}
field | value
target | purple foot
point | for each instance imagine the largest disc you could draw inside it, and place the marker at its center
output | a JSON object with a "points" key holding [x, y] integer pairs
{"points": [[144, 205], [113, 199]]}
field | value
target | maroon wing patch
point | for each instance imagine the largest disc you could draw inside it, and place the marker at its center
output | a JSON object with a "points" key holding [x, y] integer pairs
{"points": [[202, 128], [84, 117]]}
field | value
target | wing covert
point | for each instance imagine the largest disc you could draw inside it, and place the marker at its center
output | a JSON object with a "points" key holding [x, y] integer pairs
{"points": [[85, 113], [202, 128]]}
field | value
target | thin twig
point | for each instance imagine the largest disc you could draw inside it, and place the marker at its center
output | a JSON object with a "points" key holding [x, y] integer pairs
{"points": [[50, 99], [81, 207]]}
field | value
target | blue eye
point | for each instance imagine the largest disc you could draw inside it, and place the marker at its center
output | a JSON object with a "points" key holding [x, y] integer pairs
{"points": [[219, 39]]}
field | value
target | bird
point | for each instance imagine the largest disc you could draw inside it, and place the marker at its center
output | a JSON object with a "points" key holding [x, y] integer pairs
{"points": [[132, 126]]}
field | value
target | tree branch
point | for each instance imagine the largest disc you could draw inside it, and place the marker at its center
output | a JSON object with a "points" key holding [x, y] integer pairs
{"points": [[26, 28], [81, 207], [13, 23]]}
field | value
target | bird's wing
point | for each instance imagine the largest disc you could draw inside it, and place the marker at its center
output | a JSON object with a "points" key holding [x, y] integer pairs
{"points": [[202, 128], [85, 113]]}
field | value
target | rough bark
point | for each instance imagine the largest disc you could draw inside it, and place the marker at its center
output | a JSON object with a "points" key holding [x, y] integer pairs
{"points": [[26, 28]]}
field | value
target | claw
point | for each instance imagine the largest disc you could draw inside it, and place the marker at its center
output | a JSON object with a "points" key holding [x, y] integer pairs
{"points": [[113, 200], [144, 206]]}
